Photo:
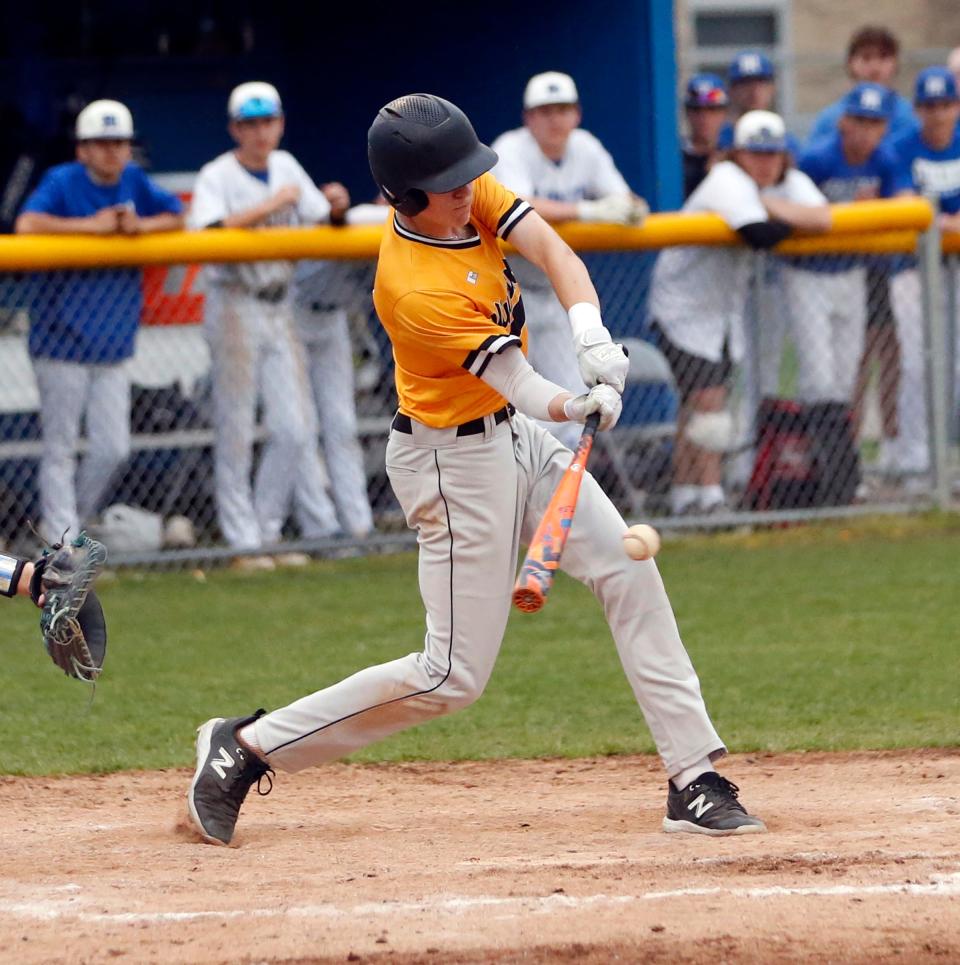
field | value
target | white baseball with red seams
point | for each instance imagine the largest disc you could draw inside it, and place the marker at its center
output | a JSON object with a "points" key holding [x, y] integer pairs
{"points": [[641, 542]]}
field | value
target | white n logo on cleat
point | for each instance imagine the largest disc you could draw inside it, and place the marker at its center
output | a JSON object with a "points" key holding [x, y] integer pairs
{"points": [[219, 764], [701, 804]]}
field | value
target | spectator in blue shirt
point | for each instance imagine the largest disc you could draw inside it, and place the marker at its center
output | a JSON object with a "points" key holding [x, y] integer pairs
{"points": [[83, 323], [930, 159], [705, 103], [829, 293], [873, 56]]}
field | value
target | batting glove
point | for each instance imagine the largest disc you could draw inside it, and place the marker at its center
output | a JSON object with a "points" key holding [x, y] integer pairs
{"points": [[601, 359], [601, 398], [613, 209]]}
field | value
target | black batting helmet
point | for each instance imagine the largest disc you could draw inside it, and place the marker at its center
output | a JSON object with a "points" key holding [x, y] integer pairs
{"points": [[421, 142]]}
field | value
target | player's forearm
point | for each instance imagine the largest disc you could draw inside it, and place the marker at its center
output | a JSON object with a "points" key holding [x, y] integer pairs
{"points": [[250, 218], [804, 217], [568, 275], [15, 575], [516, 380], [39, 223], [555, 211], [168, 221]]}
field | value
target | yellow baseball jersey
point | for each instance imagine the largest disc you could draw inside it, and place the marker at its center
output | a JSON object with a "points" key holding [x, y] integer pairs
{"points": [[449, 306]]}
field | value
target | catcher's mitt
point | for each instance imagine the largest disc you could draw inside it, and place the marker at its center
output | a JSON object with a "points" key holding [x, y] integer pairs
{"points": [[71, 622]]}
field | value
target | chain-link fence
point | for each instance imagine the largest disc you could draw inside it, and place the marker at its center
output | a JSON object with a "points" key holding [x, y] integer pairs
{"points": [[759, 384]]}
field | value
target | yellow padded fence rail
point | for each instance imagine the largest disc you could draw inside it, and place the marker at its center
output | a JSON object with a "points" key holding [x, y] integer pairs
{"points": [[886, 226]]}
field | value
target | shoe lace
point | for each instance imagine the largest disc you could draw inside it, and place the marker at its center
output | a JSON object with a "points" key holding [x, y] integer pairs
{"points": [[722, 787], [268, 774]]}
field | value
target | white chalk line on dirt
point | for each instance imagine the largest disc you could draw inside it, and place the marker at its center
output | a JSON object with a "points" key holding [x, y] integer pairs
{"points": [[586, 861], [943, 886]]}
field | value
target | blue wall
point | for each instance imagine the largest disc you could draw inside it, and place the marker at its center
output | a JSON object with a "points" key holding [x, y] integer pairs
{"points": [[336, 65]]}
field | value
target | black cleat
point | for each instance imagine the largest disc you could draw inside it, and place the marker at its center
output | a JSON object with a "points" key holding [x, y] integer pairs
{"points": [[225, 772], [709, 805]]}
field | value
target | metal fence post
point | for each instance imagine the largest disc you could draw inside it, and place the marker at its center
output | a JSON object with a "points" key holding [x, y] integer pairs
{"points": [[935, 356]]}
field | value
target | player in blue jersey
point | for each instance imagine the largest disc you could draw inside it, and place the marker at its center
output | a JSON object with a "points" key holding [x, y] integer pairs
{"points": [[930, 157], [829, 293], [873, 56], [83, 323]]}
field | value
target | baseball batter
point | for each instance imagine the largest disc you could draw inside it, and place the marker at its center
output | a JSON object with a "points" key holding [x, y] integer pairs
{"points": [[249, 324], [565, 174], [473, 477]]}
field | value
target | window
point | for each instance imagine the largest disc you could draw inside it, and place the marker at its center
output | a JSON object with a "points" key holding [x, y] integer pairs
{"points": [[719, 29]]}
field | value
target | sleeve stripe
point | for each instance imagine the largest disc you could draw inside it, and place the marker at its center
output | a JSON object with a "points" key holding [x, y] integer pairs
{"points": [[477, 360], [512, 217]]}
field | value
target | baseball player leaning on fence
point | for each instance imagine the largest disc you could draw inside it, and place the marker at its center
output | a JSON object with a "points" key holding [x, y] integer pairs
{"points": [[254, 349], [566, 174], [83, 323], [698, 294], [473, 477]]}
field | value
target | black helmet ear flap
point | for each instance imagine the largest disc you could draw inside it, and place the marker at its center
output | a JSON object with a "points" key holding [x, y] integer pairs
{"points": [[411, 203]]}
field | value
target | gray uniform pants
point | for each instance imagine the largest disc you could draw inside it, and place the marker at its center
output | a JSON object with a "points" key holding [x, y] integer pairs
{"points": [[255, 355], [70, 391], [472, 500], [326, 338]]}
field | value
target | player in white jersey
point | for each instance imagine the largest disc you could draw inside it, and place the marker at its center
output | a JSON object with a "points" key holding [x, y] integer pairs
{"points": [[253, 344], [567, 175], [325, 293], [698, 294]]}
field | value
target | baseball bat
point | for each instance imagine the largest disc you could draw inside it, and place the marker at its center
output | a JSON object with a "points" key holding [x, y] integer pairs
{"points": [[545, 549]]}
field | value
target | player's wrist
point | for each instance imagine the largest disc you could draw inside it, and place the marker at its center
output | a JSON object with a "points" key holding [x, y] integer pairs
{"points": [[584, 316]]}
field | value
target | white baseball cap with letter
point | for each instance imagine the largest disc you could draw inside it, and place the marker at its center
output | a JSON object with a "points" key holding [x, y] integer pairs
{"points": [[551, 87], [254, 99], [761, 131], [104, 121]]}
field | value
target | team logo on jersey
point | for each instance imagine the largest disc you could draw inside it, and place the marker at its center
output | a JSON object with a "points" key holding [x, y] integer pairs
{"points": [[472, 277]]}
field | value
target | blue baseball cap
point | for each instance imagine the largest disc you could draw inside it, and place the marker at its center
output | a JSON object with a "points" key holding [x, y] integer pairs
{"points": [[873, 101], [935, 84], [750, 65], [705, 90]]}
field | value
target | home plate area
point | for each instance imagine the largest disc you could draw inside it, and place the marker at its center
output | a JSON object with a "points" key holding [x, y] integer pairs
{"points": [[508, 861]]}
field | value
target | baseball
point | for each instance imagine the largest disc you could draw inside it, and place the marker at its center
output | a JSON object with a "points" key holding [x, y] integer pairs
{"points": [[641, 542]]}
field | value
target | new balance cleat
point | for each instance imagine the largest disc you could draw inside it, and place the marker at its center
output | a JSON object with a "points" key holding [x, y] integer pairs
{"points": [[709, 805], [225, 773]]}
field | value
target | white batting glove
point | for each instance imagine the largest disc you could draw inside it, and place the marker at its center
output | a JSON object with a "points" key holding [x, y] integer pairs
{"points": [[601, 398], [601, 359], [613, 209]]}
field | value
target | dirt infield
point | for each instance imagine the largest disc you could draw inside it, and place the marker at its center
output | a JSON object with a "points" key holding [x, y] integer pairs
{"points": [[520, 861]]}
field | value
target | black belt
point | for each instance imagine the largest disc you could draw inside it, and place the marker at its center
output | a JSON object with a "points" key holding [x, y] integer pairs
{"points": [[403, 423], [272, 293]]}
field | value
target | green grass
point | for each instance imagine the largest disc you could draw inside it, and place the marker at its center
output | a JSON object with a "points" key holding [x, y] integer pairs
{"points": [[826, 637]]}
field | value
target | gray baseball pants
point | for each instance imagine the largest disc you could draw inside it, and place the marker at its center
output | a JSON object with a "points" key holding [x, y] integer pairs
{"points": [[473, 500]]}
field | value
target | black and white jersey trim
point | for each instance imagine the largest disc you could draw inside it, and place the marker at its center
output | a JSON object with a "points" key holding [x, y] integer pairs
{"points": [[512, 217], [456, 243], [477, 360]]}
